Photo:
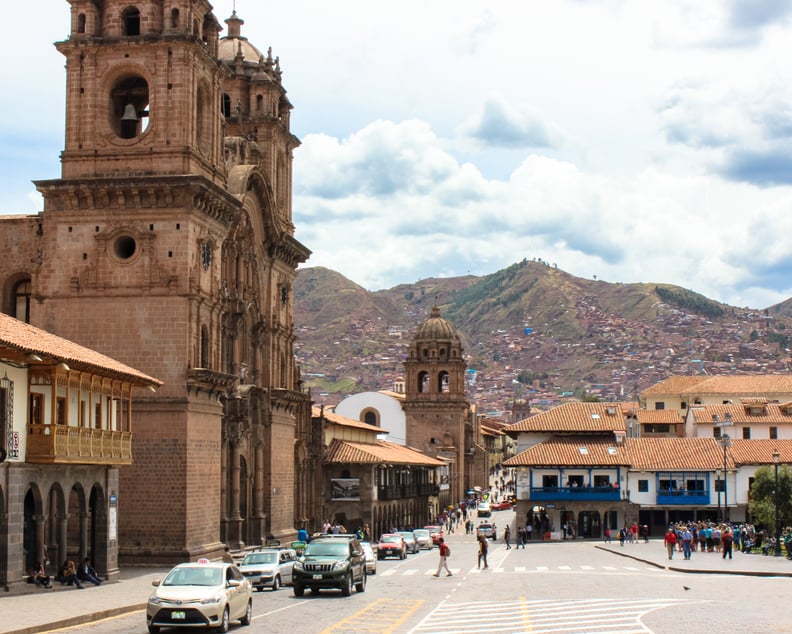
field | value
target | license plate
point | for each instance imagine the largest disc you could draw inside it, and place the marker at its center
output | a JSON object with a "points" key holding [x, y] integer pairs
{"points": [[317, 576], [177, 615]]}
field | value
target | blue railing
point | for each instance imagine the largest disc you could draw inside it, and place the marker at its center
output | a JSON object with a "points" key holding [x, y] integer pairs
{"points": [[581, 493], [683, 497]]}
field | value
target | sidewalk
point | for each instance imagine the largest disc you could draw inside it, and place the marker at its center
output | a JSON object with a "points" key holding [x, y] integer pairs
{"points": [[654, 553], [33, 610]]}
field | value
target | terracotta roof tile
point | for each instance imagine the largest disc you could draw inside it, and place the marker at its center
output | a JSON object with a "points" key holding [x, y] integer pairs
{"points": [[583, 450], [741, 414], [574, 417], [738, 384], [642, 454], [26, 339], [667, 416], [337, 419], [760, 452], [381, 451]]}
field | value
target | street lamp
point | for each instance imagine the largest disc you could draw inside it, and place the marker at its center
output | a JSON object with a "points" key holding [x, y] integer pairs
{"points": [[776, 460], [725, 442], [718, 487]]}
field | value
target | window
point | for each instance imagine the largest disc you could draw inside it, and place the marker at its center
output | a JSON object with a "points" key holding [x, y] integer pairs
{"points": [[549, 481], [683, 405], [695, 485], [575, 481], [660, 405], [657, 428], [60, 411], [370, 418], [746, 433], [98, 416], [82, 421], [601, 481], [36, 409], [716, 432], [774, 433], [643, 486], [131, 21], [22, 294]]}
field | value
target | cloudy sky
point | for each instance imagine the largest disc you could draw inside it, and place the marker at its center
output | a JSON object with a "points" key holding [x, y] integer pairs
{"points": [[631, 141]]}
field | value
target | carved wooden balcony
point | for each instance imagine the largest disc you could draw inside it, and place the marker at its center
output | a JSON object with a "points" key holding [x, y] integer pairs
{"points": [[62, 444]]}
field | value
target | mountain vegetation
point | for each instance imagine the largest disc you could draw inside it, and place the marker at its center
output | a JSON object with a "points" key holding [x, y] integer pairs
{"points": [[531, 331]]}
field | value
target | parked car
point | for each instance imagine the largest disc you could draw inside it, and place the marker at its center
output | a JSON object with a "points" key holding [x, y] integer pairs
{"points": [[200, 594], [330, 563], [436, 532], [391, 545], [409, 541], [371, 558], [424, 538], [503, 505], [484, 509], [269, 568], [488, 530]]}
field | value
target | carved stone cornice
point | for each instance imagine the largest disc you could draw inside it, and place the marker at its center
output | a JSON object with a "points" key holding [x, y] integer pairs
{"points": [[210, 381]]}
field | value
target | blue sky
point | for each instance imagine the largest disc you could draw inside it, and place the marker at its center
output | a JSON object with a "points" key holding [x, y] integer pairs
{"points": [[631, 141]]}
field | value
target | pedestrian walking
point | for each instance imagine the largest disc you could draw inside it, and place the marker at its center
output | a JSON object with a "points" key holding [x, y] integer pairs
{"points": [[445, 553], [482, 553], [670, 541], [726, 543]]}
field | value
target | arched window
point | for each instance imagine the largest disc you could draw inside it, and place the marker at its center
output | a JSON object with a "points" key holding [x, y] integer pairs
{"points": [[81, 23], [226, 105], [130, 20], [174, 18], [22, 293], [371, 417], [423, 382], [444, 382]]}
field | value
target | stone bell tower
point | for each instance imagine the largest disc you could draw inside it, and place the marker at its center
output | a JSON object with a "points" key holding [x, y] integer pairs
{"points": [[435, 405], [130, 263]]}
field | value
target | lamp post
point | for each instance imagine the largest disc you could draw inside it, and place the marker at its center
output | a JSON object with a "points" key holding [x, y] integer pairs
{"points": [[725, 442], [776, 460], [718, 487]]}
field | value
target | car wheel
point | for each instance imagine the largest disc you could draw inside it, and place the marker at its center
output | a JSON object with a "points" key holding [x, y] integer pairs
{"points": [[245, 620], [225, 622], [346, 590], [153, 629], [276, 584], [361, 587], [298, 590]]}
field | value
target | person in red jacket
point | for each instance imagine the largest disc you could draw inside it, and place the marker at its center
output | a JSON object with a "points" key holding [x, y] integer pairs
{"points": [[670, 541], [445, 551]]}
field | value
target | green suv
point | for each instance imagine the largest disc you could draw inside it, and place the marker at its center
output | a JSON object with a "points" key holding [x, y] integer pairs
{"points": [[330, 562]]}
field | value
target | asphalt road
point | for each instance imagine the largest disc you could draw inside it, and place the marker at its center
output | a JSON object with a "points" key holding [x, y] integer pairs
{"points": [[558, 587]]}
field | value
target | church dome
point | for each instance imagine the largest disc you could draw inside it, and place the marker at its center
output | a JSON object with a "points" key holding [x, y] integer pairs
{"points": [[436, 328], [233, 43]]}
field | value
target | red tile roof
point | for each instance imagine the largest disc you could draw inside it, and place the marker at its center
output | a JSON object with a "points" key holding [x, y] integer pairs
{"points": [[641, 454], [381, 451], [760, 452], [737, 385], [337, 419], [741, 414], [665, 416], [24, 339], [574, 417]]}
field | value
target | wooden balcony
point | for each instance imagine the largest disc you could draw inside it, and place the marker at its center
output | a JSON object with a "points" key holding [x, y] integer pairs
{"points": [[61, 444]]}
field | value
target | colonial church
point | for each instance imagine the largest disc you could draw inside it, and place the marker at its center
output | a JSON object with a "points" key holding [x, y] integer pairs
{"points": [[168, 244]]}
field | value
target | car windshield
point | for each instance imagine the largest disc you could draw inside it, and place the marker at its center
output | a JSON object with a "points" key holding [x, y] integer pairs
{"points": [[421, 533], [407, 535], [260, 558], [391, 539], [194, 577], [327, 549]]}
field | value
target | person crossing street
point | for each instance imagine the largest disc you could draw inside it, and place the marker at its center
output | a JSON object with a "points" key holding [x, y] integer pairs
{"points": [[445, 552]]}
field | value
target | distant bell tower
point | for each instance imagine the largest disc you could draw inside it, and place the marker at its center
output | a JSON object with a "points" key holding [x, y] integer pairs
{"points": [[437, 412], [142, 86]]}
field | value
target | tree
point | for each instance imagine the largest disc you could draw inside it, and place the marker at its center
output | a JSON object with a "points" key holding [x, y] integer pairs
{"points": [[762, 504]]}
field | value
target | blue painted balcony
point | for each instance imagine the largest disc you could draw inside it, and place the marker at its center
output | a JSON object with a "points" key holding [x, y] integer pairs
{"points": [[576, 494], [683, 497]]}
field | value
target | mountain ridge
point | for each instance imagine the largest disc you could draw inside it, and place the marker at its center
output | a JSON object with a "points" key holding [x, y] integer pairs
{"points": [[531, 331]]}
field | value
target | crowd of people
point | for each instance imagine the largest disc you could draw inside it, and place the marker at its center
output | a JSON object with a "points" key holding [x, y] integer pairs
{"points": [[724, 538]]}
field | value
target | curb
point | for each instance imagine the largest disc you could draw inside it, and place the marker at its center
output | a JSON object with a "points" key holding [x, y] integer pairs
{"points": [[700, 571], [79, 620]]}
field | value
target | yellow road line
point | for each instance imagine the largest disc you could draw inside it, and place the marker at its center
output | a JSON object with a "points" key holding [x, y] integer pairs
{"points": [[383, 617], [526, 617]]}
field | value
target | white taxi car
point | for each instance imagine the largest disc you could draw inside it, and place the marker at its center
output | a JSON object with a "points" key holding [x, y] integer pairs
{"points": [[269, 568], [204, 593]]}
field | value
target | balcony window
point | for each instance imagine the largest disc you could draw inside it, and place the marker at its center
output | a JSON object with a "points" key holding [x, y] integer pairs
{"points": [[36, 409], [549, 481], [643, 486]]}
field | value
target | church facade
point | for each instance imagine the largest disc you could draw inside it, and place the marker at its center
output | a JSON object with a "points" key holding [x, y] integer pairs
{"points": [[168, 244]]}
